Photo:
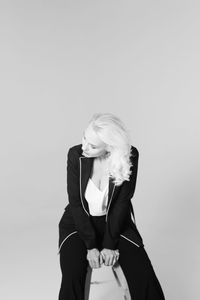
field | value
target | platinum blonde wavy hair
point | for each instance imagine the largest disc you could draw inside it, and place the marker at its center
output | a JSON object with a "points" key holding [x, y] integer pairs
{"points": [[112, 131]]}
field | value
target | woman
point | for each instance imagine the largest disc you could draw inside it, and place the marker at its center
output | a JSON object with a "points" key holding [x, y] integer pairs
{"points": [[98, 225]]}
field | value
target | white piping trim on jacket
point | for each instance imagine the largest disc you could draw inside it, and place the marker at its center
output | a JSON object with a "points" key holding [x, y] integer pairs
{"points": [[129, 240], [66, 239], [109, 204], [80, 187], [133, 218]]}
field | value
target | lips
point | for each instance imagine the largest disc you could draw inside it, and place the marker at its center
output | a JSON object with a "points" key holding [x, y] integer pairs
{"points": [[85, 153]]}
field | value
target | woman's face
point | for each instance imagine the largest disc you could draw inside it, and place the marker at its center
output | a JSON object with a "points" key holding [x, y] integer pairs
{"points": [[92, 146]]}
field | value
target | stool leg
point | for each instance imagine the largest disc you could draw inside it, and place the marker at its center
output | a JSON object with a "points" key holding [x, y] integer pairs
{"points": [[87, 282], [121, 280]]}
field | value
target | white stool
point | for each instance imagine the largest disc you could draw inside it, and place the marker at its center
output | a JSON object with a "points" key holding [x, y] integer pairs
{"points": [[106, 283]]}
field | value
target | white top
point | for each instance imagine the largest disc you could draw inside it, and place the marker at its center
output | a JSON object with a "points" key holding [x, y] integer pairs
{"points": [[97, 200]]}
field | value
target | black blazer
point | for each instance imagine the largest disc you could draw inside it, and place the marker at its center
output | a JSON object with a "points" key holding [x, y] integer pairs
{"points": [[76, 218]]}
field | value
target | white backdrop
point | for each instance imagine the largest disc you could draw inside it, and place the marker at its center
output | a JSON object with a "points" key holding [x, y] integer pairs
{"points": [[61, 61]]}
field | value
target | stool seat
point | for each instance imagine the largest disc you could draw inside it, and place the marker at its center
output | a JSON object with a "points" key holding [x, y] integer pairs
{"points": [[106, 282]]}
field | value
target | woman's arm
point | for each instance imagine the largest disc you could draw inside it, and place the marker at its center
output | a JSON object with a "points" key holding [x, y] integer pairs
{"points": [[81, 219], [118, 213]]}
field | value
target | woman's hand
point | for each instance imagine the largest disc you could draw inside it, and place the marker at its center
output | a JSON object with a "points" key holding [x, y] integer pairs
{"points": [[110, 256], [94, 257]]}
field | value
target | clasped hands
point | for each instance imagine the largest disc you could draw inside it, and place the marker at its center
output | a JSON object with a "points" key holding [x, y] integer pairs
{"points": [[107, 256]]}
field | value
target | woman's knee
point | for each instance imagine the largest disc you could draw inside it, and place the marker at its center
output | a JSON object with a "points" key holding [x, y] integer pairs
{"points": [[134, 257], [73, 257]]}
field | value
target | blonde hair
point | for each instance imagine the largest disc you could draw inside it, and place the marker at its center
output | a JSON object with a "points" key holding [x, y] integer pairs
{"points": [[112, 131]]}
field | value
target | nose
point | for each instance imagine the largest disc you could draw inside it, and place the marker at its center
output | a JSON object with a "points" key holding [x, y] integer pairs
{"points": [[84, 146], [84, 149]]}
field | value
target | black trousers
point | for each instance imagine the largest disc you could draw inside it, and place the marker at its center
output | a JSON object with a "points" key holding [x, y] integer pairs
{"points": [[134, 261]]}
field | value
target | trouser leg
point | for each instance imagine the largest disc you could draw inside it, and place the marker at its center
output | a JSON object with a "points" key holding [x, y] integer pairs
{"points": [[139, 273], [73, 263]]}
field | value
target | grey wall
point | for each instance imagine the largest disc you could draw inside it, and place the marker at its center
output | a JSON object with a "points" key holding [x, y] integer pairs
{"points": [[61, 61]]}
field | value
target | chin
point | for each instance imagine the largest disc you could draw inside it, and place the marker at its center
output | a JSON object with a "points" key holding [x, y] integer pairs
{"points": [[85, 154]]}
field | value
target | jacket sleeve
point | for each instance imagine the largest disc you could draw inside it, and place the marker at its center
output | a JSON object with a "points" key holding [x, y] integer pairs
{"points": [[118, 213], [80, 216]]}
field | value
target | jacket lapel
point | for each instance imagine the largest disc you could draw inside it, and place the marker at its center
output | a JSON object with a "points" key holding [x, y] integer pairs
{"points": [[86, 164]]}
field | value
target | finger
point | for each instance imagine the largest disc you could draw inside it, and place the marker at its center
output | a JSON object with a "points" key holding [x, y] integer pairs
{"points": [[100, 259], [116, 254], [107, 261], [112, 259], [96, 263], [104, 259], [115, 260], [93, 262]]}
